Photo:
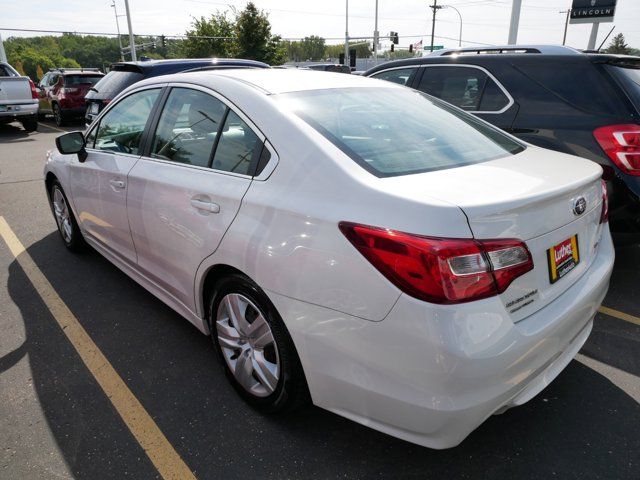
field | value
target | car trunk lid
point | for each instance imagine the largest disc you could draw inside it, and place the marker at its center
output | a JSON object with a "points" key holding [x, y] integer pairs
{"points": [[549, 200]]}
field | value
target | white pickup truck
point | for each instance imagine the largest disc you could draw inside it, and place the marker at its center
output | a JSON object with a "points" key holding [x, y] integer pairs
{"points": [[18, 98]]}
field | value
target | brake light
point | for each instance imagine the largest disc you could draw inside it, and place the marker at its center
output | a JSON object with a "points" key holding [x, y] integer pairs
{"points": [[441, 270], [34, 92], [621, 143], [604, 216]]}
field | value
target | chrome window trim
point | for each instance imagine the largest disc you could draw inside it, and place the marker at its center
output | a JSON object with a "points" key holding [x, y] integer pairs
{"points": [[490, 75], [487, 72]]}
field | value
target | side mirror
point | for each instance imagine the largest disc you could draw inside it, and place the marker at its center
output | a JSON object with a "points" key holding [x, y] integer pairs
{"points": [[70, 143]]}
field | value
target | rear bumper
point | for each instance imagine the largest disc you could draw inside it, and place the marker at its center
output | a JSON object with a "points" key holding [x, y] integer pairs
{"points": [[73, 112], [18, 110], [432, 374]]}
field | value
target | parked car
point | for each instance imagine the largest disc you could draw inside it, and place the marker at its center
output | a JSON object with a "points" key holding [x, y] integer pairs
{"points": [[18, 98], [121, 75], [329, 67], [584, 104], [401, 262], [61, 92]]}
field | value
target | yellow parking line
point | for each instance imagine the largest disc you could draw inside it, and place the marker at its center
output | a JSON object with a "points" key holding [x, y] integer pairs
{"points": [[53, 128], [144, 429], [620, 315]]}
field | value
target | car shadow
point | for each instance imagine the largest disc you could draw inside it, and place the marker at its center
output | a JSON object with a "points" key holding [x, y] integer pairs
{"points": [[14, 133], [581, 426]]}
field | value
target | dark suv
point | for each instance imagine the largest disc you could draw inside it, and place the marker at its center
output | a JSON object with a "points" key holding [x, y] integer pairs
{"points": [[61, 92], [585, 104], [123, 74]]}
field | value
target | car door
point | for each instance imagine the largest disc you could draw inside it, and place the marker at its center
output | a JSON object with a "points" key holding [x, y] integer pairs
{"points": [[187, 189], [472, 88], [99, 184]]}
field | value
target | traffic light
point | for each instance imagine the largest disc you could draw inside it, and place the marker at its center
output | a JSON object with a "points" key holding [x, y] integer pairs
{"points": [[394, 38], [392, 47], [163, 41], [411, 48]]}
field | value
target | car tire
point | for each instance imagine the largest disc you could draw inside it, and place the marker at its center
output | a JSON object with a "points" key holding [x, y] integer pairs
{"points": [[30, 124], [65, 220], [58, 116], [261, 363]]}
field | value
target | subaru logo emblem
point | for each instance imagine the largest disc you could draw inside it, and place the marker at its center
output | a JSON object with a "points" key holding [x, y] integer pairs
{"points": [[579, 206]]}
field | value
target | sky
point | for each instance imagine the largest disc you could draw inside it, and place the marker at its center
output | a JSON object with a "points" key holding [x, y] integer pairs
{"points": [[484, 21]]}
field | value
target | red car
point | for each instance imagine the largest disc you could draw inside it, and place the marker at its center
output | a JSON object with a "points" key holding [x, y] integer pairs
{"points": [[61, 92]]}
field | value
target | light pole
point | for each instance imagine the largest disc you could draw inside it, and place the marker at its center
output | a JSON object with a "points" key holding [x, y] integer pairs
{"points": [[460, 15], [376, 35], [115, 11], [132, 42], [515, 21], [566, 25], [346, 35]]}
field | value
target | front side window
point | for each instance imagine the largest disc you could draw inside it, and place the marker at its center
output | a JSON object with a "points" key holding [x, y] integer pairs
{"points": [[121, 128], [399, 75], [398, 131], [465, 87], [188, 127]]}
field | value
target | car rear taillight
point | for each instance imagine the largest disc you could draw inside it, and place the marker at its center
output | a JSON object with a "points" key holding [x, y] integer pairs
{"points": [[34, 92], [441, 270], [604, 216], [621, 143]]}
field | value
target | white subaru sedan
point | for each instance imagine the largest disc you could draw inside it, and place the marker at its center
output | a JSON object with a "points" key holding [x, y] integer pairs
{"points": [[345, 240]]}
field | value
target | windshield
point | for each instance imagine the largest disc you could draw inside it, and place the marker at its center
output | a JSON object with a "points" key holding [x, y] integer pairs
{"points": [[70, 80], [398, 131], [116, 81]]}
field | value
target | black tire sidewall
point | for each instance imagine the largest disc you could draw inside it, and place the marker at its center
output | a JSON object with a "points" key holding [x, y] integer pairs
{"points": [[285, 394]]}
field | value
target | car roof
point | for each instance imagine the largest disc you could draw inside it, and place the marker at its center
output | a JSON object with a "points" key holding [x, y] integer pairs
{"points": [[275, 81]]}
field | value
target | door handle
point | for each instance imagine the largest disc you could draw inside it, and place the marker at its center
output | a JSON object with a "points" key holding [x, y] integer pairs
{"points": [[117, 183], [205, 206]]}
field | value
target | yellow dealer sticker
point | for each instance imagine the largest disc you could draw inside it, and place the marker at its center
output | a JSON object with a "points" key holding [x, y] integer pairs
{"points": [[563, 258]]}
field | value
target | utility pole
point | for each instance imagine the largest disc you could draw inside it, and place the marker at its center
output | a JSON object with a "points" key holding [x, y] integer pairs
{"points": [[115, 11], [566, 25], [594, 36], [376, 36], [435, 7], [132, 42], [515, 21], [346, 35]]}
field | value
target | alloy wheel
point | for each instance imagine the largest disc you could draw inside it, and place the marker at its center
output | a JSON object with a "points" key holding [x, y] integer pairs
{"points": [[248, 345], [63, 217]]}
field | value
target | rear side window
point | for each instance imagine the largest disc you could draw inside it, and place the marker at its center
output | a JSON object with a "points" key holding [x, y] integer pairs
{"points": [[398, 131], [465, 87], [239, 146], [188, 127], [121, 128], [400, 76], [630, 79], [579, 85]]}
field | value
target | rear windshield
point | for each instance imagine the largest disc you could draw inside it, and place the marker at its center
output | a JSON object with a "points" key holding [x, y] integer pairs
{"points": [[398, 131], [630, 79], [116, 81], [82, 79]]}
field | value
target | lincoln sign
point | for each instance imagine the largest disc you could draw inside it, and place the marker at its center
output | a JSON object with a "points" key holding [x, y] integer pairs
{"points": [[589, 11]]}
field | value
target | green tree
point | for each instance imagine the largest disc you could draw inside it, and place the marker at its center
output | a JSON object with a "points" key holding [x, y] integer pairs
{"points": [[312, 47], [217, 25], [363, 49], [619, 45], [254, 39]]}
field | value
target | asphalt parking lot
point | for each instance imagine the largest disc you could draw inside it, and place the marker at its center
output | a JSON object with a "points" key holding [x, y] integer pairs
{"points": [[56, 421]]}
